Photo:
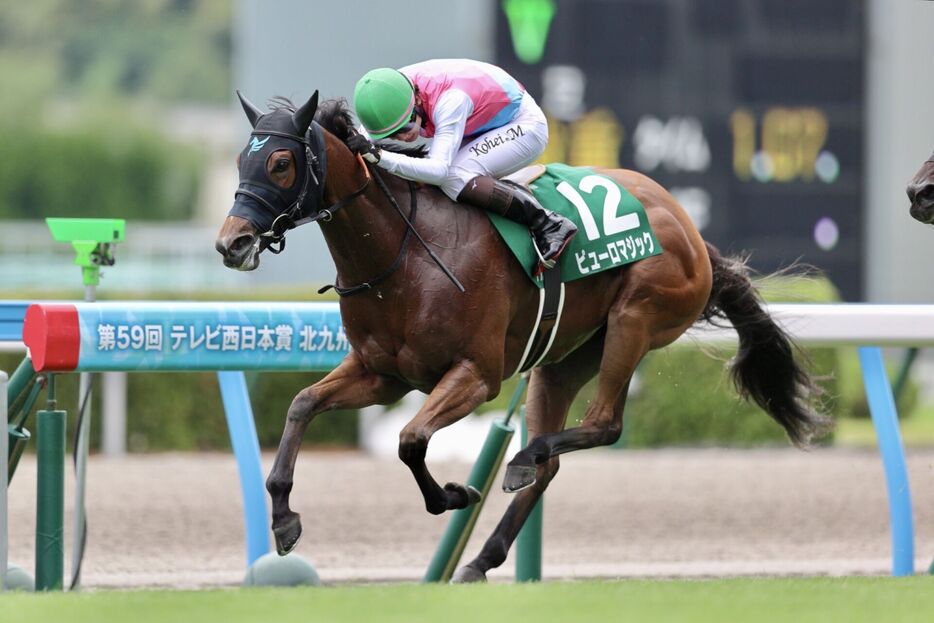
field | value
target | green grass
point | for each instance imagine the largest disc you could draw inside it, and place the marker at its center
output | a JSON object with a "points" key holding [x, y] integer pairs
{"points": [[917, 430], [800, 600]]}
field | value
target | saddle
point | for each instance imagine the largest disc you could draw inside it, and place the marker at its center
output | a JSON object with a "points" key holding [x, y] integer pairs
{"points": [[526, 175], [614, 231]]}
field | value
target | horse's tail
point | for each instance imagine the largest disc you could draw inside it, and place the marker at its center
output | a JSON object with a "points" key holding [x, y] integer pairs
{"points": [[765, 368]]}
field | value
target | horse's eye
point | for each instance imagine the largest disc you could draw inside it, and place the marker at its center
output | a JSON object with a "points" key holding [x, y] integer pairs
{"points": [[282, 164]]}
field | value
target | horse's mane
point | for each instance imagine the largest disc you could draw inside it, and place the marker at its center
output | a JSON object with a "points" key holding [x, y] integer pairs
{"points": [[334, 116]]}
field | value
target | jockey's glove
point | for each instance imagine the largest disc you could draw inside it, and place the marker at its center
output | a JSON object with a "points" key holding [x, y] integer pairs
{"points": [[360, 144]]}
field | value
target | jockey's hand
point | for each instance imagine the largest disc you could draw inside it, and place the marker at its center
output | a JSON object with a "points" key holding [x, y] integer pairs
{"points": [[360, 144]]}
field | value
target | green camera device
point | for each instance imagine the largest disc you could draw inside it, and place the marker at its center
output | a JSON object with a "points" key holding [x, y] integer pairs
{"points": [[93, 240]]}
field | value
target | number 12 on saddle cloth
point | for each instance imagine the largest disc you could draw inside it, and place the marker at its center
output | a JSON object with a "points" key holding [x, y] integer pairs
{"points": [[613, 229]]}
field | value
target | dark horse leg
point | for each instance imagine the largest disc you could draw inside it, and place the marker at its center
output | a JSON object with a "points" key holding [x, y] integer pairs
{"points": [[458, 393], [348, 386], [551, 392]]}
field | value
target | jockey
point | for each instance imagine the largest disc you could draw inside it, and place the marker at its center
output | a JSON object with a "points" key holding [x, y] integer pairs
{"points": [[483, 125]]}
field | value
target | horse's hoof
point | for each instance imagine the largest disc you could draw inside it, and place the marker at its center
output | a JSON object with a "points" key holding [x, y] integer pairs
{"points": [[468, 575], [460, 496], [287, 534], [518, 477], [473, 495]]}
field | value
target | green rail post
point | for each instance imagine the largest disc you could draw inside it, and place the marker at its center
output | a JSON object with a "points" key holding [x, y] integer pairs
{"points": [[50, 496], [459, 528], [529, 540], [22, 390], [18, 435], [19, 381]]}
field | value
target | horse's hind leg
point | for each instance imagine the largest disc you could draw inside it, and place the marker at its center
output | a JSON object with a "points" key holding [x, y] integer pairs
{"points": [[348, 386], [626, 343], [551, 392], [459, 392]]}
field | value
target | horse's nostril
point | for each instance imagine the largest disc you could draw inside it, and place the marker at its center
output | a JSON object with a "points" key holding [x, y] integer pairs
{"points": [[240, 244], [919, 192], [236, 247]]}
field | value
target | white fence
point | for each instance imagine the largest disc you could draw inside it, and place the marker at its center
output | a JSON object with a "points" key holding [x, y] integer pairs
{"points": [[850, 324]]}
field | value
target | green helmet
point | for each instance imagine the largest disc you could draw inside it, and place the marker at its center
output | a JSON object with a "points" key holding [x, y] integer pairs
{"points": [[384, 100]]}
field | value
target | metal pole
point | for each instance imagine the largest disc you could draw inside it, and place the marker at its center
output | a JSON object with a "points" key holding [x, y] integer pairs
{"points": [[242, 428], [82, 448], [18, 434], [4, 479], [529, 540], [22, 378], [113, 413], [885, 419]]}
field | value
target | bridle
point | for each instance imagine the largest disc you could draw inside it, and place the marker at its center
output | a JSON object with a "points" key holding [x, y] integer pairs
{"points": [[301, 211]]}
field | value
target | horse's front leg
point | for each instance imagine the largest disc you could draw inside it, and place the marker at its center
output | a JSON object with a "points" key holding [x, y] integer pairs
{"points": [[460, 391], [348, 386]]}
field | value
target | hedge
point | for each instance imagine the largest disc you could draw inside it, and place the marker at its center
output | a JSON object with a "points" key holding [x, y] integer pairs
{"points": [[121, 172]]}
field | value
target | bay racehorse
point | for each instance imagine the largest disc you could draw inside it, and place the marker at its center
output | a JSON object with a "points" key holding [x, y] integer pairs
{"points": [[921, 193], [411, 327]]}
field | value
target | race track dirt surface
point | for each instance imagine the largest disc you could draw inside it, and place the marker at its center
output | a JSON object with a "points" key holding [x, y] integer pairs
{"points": [[175, 520]]}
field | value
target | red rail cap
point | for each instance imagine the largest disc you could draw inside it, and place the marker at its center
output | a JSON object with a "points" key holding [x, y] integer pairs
{"points": [[52, 334]]}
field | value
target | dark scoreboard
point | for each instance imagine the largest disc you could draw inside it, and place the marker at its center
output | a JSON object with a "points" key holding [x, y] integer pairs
{"points": [[749, 111]]}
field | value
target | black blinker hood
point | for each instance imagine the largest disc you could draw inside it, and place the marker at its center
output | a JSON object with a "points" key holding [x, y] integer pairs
{"points": [[258, 199]]}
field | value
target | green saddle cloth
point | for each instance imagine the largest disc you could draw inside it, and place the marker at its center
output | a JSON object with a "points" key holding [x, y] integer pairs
{"points": [[613, 229]]}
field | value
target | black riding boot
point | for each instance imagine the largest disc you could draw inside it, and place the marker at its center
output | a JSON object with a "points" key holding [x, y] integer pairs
{"points": [[551, 231]]}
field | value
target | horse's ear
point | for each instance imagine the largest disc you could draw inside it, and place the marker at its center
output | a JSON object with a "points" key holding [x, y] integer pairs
{"points": [[306, 114], [252, 112]]}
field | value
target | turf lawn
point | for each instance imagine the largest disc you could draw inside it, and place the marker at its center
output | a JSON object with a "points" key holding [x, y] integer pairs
{"points": [[799, 600]]}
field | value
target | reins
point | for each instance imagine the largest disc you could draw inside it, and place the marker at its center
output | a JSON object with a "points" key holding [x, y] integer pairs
{"points": [[410, 229]]}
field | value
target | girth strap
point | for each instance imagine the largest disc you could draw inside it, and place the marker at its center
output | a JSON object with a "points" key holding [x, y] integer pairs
{"points": [[550, 307]]}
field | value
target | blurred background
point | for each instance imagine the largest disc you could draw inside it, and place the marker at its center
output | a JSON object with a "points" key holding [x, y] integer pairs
{"points": [[787, 128]]}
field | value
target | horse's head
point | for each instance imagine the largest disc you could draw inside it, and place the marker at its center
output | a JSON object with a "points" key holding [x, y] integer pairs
{"points": [[921, 193], [282, 171]]}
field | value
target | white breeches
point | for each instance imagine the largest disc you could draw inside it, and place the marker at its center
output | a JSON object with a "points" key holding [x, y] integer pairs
{"points": [[500, 151]]}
